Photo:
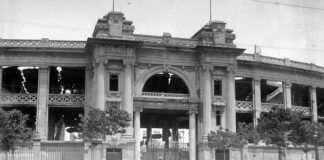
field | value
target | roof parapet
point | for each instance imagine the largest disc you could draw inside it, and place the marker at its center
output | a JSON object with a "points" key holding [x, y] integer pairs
{"points": [[214, 33], [114, 25]]}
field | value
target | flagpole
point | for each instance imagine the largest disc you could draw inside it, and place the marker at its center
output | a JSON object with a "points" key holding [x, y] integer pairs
{"points": [[113, 5], [210, 11]]}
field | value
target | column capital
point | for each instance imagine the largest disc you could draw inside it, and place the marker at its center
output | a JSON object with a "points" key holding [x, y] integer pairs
{"points": [[43, 67], [313, 86], [207, 67], [287, 84], [129, 62], [231, 69], [138, 109], [192, 111], [258, 79]]}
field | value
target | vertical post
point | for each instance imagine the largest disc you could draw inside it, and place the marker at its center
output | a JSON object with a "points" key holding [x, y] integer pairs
{"points": [[287, 94], [0, 79], [137, 133], [88, 85], [128, 97], [230, 99], [256, 99], [206, 100], [42, 99], [87, 151], [192, 133], [100, 72], [37, 148], [0, 84], [313, 103]]}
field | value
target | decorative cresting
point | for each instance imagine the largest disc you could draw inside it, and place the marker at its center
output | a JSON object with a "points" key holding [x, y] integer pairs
{"points": [[280, 62], [18, 98], [66, 99], [214, 33], [244, 106], [114, 25], [266, 107], [304, 110], [43, 43]]}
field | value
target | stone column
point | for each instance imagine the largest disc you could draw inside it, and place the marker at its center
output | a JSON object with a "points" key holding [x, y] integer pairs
{"points": [[88, 85], [137, 133], [128, 97], [256, 100], [313, 103], [42, 99], [100, 72], [230, 100], [287, 94], [192, 133], [206, 101]]}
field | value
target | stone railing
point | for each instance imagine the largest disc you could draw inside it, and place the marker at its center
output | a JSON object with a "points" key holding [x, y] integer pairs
{"points": [[244, 106], [266, 107], [165, 95], [66, 99], [304, 110], [17, 98], [42, 43], [280, 62]]}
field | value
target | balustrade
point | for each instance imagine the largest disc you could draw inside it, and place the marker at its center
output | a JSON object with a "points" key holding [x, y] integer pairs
{"points": [[304, 110], [244, 106], [66, 99], [165, 95], [17, 98], [266, 107]]}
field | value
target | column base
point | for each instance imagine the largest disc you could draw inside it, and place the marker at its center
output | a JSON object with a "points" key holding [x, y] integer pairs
{"points": [[205, 152]]}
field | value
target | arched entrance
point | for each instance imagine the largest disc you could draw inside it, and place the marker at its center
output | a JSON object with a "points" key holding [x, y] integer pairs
{"points": [[164, 118]]}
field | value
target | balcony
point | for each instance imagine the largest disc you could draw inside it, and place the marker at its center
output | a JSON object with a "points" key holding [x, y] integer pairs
{"points": [[244, 106], [165, 95], [18, 98], [266, 107], [66, 99]]}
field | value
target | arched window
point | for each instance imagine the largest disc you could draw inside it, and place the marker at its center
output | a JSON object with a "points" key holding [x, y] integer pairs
{"points": [[166, 83]]}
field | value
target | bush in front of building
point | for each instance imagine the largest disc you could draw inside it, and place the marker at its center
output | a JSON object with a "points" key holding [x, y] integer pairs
{"points": [[13, 130], [96, 123]]}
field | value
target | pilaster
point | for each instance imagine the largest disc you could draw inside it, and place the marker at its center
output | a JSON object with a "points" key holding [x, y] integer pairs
{"points": [[192, 133], [256, 99], [313, 103], [128, 96], [42, 102], [206, 99], [287, 94], [100, 93], [137, 133], [230, 99]]}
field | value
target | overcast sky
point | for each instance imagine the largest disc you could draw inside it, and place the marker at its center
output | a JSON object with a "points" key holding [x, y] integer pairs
{"points": [[281, 31]]}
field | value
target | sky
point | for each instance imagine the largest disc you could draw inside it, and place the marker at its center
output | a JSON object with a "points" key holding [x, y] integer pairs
{"points": [[280, 30]]}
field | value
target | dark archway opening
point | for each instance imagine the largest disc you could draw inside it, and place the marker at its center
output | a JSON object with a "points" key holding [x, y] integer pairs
{"points": [[165, 83], [64, 121]]}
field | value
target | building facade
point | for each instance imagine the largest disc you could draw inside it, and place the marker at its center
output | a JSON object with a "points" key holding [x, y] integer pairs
{"points": [[167, 84]]}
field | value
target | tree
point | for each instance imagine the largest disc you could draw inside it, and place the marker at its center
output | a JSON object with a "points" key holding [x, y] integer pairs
{"points": [[13, 130], [223, 140], [276, 127], [96, 124], [308, 134]]}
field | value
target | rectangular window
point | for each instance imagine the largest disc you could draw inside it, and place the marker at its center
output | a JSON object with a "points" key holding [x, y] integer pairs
{"points": [[217, 87], [113, 82], [218, 118]]}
